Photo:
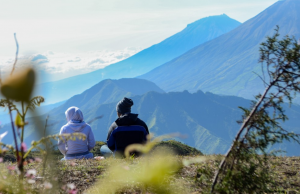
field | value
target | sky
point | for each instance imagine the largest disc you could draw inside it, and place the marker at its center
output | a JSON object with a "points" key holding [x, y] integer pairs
{"points": [[78, 27]]}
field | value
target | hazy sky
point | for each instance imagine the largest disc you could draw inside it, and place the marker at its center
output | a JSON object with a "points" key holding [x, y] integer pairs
{"points": [[88, 25]]}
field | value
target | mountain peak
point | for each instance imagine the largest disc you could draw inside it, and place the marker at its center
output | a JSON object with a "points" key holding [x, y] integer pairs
{"points": [[226, 64], [223, 18]]}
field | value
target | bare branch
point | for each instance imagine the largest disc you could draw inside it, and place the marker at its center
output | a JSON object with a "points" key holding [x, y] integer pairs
{"points": [[17, 52], [94, 119], [262, 79]]}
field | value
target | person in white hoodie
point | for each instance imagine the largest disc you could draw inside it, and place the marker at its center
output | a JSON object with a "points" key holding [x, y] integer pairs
{"points": [[77, 149]]}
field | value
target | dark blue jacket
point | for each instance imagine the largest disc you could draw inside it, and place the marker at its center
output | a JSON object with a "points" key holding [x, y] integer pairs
{"points": [[124, 136]]}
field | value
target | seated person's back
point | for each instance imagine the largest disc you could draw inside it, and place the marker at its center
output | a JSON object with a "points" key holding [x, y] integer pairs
{"points": [[79, 148], [127, 129]]}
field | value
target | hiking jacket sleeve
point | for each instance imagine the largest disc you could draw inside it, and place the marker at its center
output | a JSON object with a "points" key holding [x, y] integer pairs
{"points": [[91, 140], [62, 143], [111, 129]]}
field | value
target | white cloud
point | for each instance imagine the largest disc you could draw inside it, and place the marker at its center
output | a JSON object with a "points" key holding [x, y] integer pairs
{"points": [[73, 31], [38, 57], [80, 26], [76, 59], [95, 61], [62, 65]]}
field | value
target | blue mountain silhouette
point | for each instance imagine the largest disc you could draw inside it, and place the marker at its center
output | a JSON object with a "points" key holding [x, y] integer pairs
{"points": [[194, 34], [226, 65], [209, 120]]}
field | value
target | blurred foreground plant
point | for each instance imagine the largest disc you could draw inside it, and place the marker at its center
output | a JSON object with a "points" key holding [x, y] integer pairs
{"points": [[18, 89], [43, 142], [245, 168], [149, 174]]}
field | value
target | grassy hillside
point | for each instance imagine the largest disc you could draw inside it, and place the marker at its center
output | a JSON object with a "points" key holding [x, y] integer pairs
{"points": [[194, 177], [178, 148]]}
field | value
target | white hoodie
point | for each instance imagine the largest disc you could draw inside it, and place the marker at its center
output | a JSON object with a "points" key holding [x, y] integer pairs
{"points": [[76, 125]]}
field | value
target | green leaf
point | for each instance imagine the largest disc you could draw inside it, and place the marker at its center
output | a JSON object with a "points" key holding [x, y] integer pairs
{"points": [[18, 121]]}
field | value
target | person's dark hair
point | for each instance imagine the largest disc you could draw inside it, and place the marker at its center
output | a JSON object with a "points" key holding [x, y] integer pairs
{"points": [[124, 106]]}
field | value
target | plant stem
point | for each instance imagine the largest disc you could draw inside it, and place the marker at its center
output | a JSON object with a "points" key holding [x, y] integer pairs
{"points": [[21, 167], [23, 120], [14, 132], [46, 146]]}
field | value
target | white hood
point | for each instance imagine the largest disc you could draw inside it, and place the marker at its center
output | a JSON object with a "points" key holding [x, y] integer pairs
{"points": [[75, 119]]}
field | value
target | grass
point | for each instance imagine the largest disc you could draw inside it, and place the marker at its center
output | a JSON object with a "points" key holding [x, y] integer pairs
{"points": [[194, 178], [189, 172], [178, 148]]}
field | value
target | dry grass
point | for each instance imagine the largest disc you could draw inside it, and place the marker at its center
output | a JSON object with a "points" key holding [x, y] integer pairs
{"points": [[287, 171], [194, 175], [194, 178]]}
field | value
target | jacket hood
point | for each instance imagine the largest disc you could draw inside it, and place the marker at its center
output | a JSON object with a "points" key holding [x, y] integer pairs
{"points": [[127, 119], [75, 119], [74, 114]]}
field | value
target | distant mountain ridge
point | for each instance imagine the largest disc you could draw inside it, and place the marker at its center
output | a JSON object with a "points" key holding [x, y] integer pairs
{"points": [[108, 91], [226, 65], [194, 34], [207, 119]]}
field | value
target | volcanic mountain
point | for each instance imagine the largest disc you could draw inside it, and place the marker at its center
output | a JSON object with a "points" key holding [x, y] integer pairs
{"points": [[229, 64], [194, 34]]}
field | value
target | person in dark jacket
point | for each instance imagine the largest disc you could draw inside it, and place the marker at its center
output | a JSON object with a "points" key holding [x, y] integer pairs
{"points": [[125, 118]]}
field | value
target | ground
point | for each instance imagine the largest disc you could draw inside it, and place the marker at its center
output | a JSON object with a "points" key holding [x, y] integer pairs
{"points": [[193, 178], [185, 171]]}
